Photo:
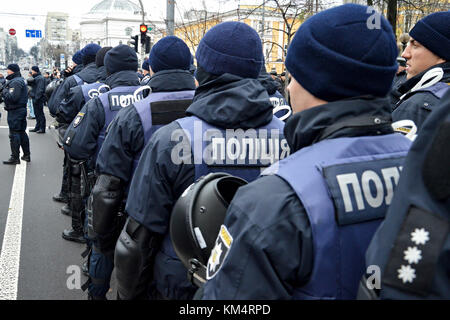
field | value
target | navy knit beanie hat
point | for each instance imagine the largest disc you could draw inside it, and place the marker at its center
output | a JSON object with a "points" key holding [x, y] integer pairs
{"points": [[433, 32], [100, 56], [334, 55], [78, 57], [231, 47], [35, 69], [90, 49], [145, 65], [13, 67], [121, 58], [170, 53]]}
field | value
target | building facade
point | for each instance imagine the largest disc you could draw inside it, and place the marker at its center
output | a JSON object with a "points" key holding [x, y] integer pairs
{"points": [[275, 35], [57, 27], [113, 22]]}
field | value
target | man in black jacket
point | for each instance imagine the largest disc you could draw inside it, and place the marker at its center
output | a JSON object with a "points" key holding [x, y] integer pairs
{"points": [[37, 94], [427, 69], [15, 96]]}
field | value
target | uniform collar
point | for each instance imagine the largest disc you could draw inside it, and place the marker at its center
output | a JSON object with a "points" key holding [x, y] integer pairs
{"points": [[360, 116]]}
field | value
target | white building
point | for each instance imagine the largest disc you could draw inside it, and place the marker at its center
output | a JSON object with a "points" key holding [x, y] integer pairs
{"points": [[2, 46], [57, 27], [113, 22]]}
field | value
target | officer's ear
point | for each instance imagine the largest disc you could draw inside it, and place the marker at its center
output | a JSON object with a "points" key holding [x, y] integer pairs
{"points": [[151, 72]]}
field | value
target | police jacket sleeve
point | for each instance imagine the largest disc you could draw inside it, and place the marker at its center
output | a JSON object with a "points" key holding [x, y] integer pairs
{"points": [[159, 180], [70, 106], [271, 250], [416, 108], [123, 143], [80, 140], [11, 94]]}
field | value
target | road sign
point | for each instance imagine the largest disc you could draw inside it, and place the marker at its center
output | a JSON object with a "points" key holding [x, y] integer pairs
{"points": [[12, 31], [33, 33], [62, 61]]}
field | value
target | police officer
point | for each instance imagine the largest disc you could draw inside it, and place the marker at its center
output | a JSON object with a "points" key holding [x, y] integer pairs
{"points": [[15, 96], [86, 133], [37, 95], [146, 72], [88, 74], [77, 65], [230, 108], [78, 97], [409, 251], [81, 94], [281, 108], [301, 230], [173, 89], [427, 69]]}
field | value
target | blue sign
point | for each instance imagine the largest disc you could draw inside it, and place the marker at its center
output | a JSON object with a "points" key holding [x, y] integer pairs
{"points": [[33, 33]]}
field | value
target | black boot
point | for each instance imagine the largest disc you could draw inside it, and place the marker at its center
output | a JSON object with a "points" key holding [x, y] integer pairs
{"points": [[65, 210], [26, 157], [14, 141], [85, 268], [60, 198], [74, 235], [12, 160]]}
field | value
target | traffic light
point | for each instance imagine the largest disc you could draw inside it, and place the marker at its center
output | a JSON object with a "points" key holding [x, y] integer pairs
{"points": [[147, 44], [135, 42], [143, 28]]}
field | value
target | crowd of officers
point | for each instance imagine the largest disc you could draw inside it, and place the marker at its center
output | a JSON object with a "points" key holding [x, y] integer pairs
{"points": [[304, 182]]}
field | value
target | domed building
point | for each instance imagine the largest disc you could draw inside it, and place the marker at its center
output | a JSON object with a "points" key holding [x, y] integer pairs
{"points": [[114, 22]]}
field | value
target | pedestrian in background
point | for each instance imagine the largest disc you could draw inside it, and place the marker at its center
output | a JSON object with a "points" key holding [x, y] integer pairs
{"points": [[38, 96], [30, 81]]}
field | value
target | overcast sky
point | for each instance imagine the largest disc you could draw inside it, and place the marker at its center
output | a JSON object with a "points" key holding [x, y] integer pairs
{"points": [[31, 14]]}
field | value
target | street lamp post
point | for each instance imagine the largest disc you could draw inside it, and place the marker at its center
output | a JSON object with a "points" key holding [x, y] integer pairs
{"points": [[143, 22], [170, 17]]}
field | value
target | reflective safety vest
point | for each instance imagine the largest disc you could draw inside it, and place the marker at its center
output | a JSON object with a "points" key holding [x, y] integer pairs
{"points": [[91, 90], [78, 80], [345, 186], [113, 101], [160, 109], [243, 153], [280, 103]]}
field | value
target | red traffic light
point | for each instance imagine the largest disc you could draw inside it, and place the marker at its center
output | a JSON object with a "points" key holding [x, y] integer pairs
{"points": [[143, 28]]}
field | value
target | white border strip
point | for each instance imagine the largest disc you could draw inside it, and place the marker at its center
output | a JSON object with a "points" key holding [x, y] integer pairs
{"points": [[10, 254]]}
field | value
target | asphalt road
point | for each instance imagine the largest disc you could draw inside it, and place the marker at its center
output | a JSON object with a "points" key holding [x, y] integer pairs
{"points": [[49, 266]]}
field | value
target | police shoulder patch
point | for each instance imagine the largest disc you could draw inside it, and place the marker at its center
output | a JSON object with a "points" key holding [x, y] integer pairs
{"points": [[219, 253], [415, 254], [78, 119]]}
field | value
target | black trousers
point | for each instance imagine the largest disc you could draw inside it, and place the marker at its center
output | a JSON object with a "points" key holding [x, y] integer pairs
{"points": [[17, 122], [39, 114], [19, 139]]}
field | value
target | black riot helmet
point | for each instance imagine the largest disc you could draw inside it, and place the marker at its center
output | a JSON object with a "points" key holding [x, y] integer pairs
{"points": [[196, 220], [51, 87]]}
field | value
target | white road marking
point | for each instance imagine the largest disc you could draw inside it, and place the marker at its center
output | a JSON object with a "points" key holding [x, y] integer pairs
{"points": [[6, 127], [10, 254]]}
